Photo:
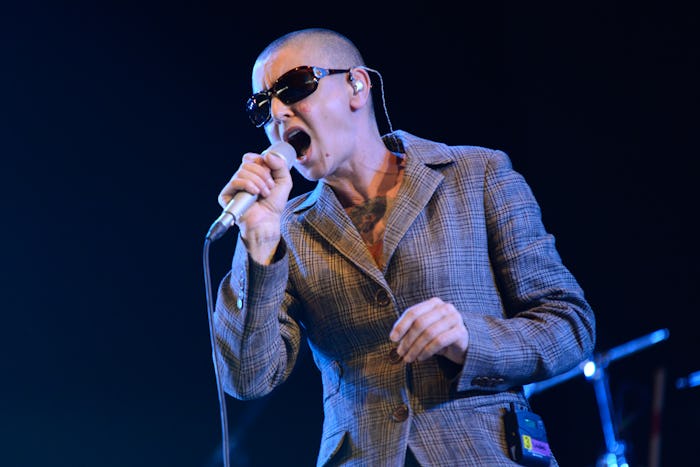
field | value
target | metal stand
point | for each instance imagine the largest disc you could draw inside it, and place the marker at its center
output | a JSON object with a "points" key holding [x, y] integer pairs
{"points": [[595, 370], [615, 455]]}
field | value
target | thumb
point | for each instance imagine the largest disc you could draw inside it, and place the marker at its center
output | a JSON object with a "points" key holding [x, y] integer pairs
{"points": [[278, 165]]}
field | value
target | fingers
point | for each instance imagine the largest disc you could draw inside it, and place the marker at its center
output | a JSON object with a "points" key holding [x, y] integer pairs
{"points": [[253, 176], [430, 328], [276, 162], [404, 323]]}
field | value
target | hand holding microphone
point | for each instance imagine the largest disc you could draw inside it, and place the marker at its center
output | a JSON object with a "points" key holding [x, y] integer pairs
{"points": [[265, 177]]}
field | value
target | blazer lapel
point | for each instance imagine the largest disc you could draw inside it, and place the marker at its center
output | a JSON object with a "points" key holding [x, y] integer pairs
{"points": [[322, 212], [419, 183]]}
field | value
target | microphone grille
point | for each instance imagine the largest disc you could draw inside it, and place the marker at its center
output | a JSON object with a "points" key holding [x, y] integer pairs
{"points": [[284, 150]]}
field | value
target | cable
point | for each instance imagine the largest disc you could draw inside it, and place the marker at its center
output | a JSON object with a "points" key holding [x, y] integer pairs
{"points": [[219, 385], [381, 85]]}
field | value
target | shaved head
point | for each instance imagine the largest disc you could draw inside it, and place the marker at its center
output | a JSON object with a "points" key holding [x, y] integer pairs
{"points": [[331, 48], [315, 47]]}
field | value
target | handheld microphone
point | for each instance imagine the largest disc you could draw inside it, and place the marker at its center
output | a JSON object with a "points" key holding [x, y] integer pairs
{"points": [[243, 200]]}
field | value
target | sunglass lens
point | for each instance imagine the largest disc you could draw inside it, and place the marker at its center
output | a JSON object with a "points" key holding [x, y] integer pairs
{"points": [[258, 109], [296, 84]]}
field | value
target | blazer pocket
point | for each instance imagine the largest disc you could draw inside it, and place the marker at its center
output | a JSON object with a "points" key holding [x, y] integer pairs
{"points": [[330, 376]]}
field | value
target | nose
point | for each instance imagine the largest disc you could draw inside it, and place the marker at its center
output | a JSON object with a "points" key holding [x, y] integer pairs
{"points": [[279, 111]]}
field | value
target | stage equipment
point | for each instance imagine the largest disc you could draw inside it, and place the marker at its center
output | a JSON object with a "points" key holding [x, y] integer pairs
{"points": [[594, 370], [689, 381]]}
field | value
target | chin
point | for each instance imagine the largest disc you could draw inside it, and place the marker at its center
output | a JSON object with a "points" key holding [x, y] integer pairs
{"points": [[312, 177]]}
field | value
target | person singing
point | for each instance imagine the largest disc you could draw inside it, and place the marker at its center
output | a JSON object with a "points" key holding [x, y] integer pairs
{"points": [[419, 273]]}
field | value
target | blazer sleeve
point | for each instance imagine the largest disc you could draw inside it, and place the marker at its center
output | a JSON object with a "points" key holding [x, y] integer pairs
{"points": [[548, 327], [257, 340]]}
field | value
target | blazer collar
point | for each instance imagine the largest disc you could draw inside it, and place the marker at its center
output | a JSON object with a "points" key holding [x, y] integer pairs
{"points": [[322, 211]]}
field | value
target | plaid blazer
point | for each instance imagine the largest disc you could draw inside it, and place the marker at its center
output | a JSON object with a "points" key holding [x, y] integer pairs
{"points": [[465, 227]]}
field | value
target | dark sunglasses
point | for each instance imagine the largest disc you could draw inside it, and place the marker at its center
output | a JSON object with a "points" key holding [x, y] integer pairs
{"points": [[291, 87]]}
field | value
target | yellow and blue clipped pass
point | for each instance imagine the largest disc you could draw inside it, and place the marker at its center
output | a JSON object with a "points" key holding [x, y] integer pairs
{"points": [[527, 438]]}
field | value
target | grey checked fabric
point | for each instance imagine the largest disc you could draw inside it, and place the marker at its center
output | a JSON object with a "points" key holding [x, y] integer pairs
{"points": [[466, 228]]}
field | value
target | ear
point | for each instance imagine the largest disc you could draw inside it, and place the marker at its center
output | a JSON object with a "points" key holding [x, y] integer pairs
{"points": [[360, 84]]}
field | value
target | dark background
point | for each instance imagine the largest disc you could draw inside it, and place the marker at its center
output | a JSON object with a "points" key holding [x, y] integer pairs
{"points": [[121, 121]]}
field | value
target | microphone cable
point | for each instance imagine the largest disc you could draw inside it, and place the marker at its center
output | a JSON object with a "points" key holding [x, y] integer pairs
{"points": [[225, 452], [233, 210]]}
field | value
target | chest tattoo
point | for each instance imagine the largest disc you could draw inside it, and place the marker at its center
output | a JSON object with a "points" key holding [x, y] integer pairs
{"points": [[370, 218]]}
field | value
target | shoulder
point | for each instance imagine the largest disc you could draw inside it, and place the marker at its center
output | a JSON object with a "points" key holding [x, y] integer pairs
{"points": [[434, 153]]}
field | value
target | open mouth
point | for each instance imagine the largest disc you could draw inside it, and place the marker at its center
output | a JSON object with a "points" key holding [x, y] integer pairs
{"points": [[300, 141]]}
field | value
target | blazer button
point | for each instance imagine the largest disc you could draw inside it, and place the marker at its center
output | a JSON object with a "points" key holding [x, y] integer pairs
{"points": [[381, 298], [394, 356], [400, 413]]}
